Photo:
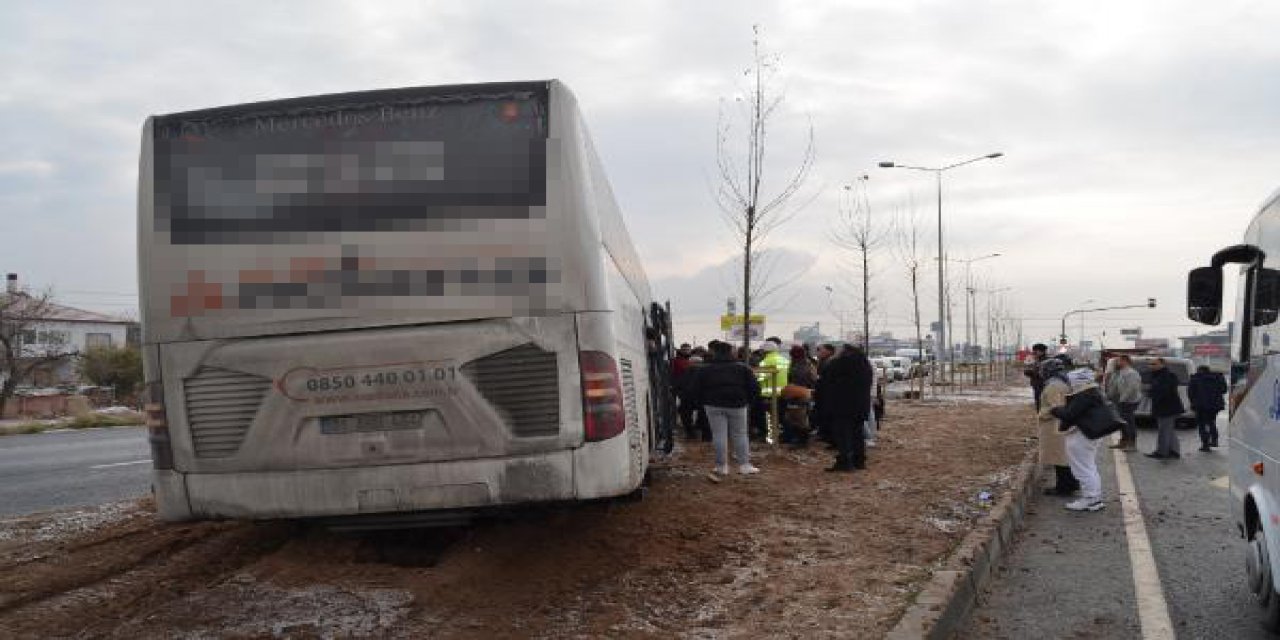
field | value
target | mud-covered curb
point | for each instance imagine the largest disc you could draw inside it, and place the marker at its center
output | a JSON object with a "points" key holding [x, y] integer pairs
{"points": [[944, 605]]}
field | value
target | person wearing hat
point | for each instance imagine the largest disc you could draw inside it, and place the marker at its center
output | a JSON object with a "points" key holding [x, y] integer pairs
{"points": [[1085, 420], [1053, 450]]}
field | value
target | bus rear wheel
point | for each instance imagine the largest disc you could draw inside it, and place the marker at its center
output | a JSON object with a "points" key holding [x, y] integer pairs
{"points": [[1261, 583]]}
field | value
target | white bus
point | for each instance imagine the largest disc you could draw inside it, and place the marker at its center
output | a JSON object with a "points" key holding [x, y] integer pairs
{"points": [[391, 302], [1254, 399]]}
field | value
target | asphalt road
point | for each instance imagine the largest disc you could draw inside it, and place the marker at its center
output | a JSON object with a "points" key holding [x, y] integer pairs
{"points": [[1069, 574], [74, 468]]}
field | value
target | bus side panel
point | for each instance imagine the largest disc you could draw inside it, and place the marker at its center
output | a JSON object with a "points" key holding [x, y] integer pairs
{"points": [[1255, 432]]}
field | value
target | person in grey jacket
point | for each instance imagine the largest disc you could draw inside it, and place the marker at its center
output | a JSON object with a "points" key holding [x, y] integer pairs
{"points": [[1123, 387]]}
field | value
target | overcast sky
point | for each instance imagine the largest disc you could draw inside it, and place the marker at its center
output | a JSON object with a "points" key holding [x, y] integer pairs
{"points": [[1139, 136]]}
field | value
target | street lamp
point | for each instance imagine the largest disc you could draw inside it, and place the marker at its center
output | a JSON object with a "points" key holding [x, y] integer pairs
{"points": [[1080, 305], [991, 330], [1151, 304], [831, 307], [942, 315], [970, 306]]}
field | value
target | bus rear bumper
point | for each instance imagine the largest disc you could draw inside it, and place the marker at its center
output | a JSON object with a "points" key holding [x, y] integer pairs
{"points": [[375, 489]]}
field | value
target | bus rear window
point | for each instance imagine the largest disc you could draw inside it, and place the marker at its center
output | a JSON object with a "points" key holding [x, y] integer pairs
{"points": [[267, 176]]}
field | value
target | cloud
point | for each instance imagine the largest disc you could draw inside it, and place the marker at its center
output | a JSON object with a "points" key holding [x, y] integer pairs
{"points": [[1139, 137], [39, 168]]}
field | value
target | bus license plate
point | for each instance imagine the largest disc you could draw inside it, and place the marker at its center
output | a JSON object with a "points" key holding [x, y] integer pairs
{"points": [[367, 422]]}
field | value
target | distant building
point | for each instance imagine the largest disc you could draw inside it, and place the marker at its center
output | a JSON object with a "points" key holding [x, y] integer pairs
{"points": [[810, 335], [67, 330], [1212, 348]]}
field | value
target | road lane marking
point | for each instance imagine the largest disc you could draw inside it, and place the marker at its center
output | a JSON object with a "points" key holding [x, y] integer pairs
{"points": [[120, 464], [1153, 611]]}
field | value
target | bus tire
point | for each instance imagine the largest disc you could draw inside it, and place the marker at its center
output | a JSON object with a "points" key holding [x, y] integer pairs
{"points": [[1261, 582]]}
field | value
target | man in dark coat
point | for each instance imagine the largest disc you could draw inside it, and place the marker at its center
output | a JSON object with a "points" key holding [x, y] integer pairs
{"points": [[1039, 353], [843, 399], [826, 353], [1166, 406], [1205, 390]]}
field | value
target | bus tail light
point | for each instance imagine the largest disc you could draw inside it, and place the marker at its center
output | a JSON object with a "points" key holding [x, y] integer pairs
{"points": [[602, 411], [158, 427]]}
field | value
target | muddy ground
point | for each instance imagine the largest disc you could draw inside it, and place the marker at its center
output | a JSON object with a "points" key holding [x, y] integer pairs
{"points": [[793, 552]]}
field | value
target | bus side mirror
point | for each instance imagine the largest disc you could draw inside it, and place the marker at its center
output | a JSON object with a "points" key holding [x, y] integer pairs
{"points": [[1204, 295], [1266, 297]]}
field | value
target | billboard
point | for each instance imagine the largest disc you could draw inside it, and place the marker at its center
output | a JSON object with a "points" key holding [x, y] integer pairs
{"points": [[732, 323], [1209, 350]]}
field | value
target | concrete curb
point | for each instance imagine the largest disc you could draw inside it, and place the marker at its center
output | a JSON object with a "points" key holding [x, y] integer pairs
{"points": [[943, 607]]}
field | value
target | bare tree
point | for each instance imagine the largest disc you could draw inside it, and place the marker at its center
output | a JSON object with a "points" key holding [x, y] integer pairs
{"points": [[24, 349], [911, 252], [858, 231], [751, 204]]}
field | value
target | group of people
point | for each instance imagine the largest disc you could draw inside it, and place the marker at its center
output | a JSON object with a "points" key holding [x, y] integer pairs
{"points": [[726, 395], [1074, 415]]}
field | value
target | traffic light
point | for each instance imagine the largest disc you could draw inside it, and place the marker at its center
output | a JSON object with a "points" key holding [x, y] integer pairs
{"points": [[1151, 303]]}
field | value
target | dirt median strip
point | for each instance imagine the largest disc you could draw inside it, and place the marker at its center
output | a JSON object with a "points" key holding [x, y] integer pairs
{"points": [[944, 605], [791, 551]]}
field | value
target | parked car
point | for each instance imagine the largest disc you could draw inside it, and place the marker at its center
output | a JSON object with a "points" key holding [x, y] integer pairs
{"points": [[1181, 367], [891, 367], [899, 367]]}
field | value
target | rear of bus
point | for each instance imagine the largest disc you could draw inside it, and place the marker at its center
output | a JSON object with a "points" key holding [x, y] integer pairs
{"points": [[380, 302]]}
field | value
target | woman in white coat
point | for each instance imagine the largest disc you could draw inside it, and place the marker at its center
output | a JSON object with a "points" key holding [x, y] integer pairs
{"points": [[1053, 448]]}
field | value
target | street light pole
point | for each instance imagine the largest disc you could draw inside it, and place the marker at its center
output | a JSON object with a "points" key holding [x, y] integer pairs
{"points": [[970, 304], [1151, 304], [838, 315], [991, 346], [1079, 305], [943, 332]]}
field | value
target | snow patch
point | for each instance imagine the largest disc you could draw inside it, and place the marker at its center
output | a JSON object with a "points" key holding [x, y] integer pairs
{"points": [[322, 611], [63, 524]]}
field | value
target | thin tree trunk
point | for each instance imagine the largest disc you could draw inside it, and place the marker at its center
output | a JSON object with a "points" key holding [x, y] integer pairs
{"points": [[866, 304], [746, 291], [915, 303]]}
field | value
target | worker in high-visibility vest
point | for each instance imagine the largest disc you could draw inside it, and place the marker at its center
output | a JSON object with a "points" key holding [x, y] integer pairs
{"points": [[772, 375]]}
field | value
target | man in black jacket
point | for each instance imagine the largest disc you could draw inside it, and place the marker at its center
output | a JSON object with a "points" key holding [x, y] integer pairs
{"points": [[1166, 406], [1039, 353], [843, 398], [1205, 390]]}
